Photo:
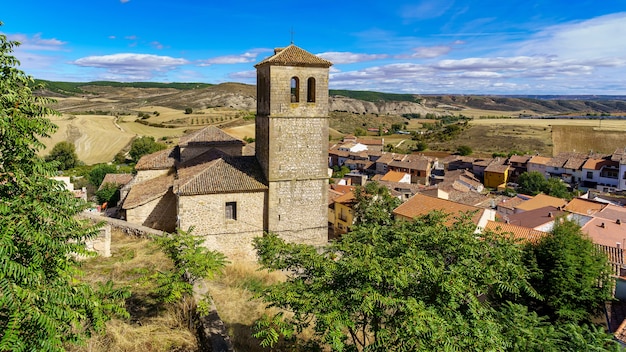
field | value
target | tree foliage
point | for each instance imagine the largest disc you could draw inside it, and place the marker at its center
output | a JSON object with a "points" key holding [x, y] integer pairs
{"points": [[464, 150], [64, 153], [421, 286], [570, 273], [374, 204], [98, 172], [109, 193], [41, 306], [144, 146], [533, 183]]}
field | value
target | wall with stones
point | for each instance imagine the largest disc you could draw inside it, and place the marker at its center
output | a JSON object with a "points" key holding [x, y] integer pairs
{"points": [[207, 214], [144, 175], [158, 214], [298, 210]]}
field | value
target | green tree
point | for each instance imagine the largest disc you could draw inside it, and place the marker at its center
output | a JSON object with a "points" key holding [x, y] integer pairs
{"points": [[408, 286], [97, 173], [531, 183], [570, 273], [421, 146], [556, 188], [188, 111], [64, 153], [41, 305], [374, 204], [464, 150], [143, 146], [109, 193]]}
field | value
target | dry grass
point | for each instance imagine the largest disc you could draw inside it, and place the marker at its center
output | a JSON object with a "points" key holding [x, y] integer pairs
{"points": [[152, 326]]}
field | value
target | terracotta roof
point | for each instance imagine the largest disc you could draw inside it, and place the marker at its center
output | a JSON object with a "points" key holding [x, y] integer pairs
{"points": [[163, 159], [341, 188], [540, 201], [216, 172], [346, 198], [523, 233], [332, 195], [612, 212], [605, 232], [511, 203], [597, 164], [294, 56], [536, 217], [371, 141], [393, 176], [584, 206], [117, 179], [540, 160], [575, 163], [413, 162], [568, 160], [420, 204], [520, 159], [144, 192], [208, 135], [497, 167]]}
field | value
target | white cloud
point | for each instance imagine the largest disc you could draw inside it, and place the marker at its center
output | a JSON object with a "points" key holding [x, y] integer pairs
{"points": [[249, 56], [599, 37], [124, 1], [350, 58], [428, 52], [37, 43], [426, 9], [128, 66]]}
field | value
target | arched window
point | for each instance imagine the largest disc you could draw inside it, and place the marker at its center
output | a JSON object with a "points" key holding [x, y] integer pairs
{"points": [[295, 90], [310, 89]]}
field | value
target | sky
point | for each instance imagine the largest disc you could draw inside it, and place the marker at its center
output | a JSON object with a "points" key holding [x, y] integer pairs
{"points": [[531, 47]]}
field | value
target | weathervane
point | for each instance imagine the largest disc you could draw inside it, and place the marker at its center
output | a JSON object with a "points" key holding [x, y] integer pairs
{"points": [[292, 32]]}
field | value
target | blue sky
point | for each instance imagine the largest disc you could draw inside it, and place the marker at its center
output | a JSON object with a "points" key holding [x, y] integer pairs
{"points": [[427, 47]]}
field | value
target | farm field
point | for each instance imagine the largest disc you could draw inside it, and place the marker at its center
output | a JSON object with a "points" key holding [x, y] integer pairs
{"points": [[96, 137]]}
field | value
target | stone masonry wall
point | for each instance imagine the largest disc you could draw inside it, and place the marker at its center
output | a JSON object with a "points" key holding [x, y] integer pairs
{"points": [[158, 214], [298, 210], [207, 214]]}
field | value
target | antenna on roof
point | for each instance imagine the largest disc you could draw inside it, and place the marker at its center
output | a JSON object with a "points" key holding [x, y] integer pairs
{"points": [[292, 33]]}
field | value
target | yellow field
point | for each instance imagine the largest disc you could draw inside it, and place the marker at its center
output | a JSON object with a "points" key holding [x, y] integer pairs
{"points": [[96, 137], [241, 131], [608, 125]]}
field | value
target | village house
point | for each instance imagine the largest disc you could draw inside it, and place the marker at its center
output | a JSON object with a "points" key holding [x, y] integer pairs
{"points": [[496, 173], [229, 198]]}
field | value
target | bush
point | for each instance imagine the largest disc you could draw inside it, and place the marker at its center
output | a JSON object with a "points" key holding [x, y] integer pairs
{"points": [[464, 150], [188, 111]]}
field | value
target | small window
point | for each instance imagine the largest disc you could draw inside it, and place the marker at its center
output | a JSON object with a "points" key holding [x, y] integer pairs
{"points": [[231, 211], [295, 90], [310, 90], [589, 174]]}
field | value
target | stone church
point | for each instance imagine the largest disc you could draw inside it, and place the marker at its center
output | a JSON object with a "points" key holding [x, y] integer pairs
{"points": [[208, 181]]}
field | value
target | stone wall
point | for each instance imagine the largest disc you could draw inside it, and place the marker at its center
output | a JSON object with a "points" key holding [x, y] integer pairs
{"points": [[298, 210], [207, 214], [158, 214]]}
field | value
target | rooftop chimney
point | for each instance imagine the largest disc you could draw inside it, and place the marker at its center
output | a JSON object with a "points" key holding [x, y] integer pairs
{"points": [[602, 225], [550, 215], [618, 221]]}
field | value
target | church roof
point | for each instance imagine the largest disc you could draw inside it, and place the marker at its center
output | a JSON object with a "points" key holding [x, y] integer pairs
{"points": [[294, 56], [207, 135], [149, 190], [217, 172], [161, 160]]}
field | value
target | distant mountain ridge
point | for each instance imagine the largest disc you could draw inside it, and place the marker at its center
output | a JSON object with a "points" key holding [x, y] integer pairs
{"points": [[240, 96]]}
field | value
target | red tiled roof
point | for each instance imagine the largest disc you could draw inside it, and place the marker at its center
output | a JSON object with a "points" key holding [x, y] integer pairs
{"points": [[584, 206], [519, 232], [117, 179], [393, 176], [540, 160], [144, 192], [216, 172], [161, 160], [420, 204], [294, 56], [536, 217], [207, 135], [520, 159], [605, 231], [540, 201]]}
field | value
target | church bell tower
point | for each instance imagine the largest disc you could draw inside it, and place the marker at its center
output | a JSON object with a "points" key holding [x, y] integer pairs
{"points": [[292, 143]]}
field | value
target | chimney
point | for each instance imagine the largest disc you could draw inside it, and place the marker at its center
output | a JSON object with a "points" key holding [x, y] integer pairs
{"points": [[550, 215], [602, 225], [618, 245], [618, 221]]}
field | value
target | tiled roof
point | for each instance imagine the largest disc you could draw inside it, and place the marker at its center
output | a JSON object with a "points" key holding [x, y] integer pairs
{"points": [[568, 160], [540, 201], [117, 179], [332, 195], [619, 155], [612, 212], [346, 198], [144, 192], [575, 163], [393, 176], [584, 206], [511, 203], [294, 56], [497, 167], [597, 164], [378, 142], [539, 160], [161, 160], [413, 162], [605, 231], [341, 188], [536, 217], [520, 159], [208, 135], [420, 204], [519, 232], [216, 172]]}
